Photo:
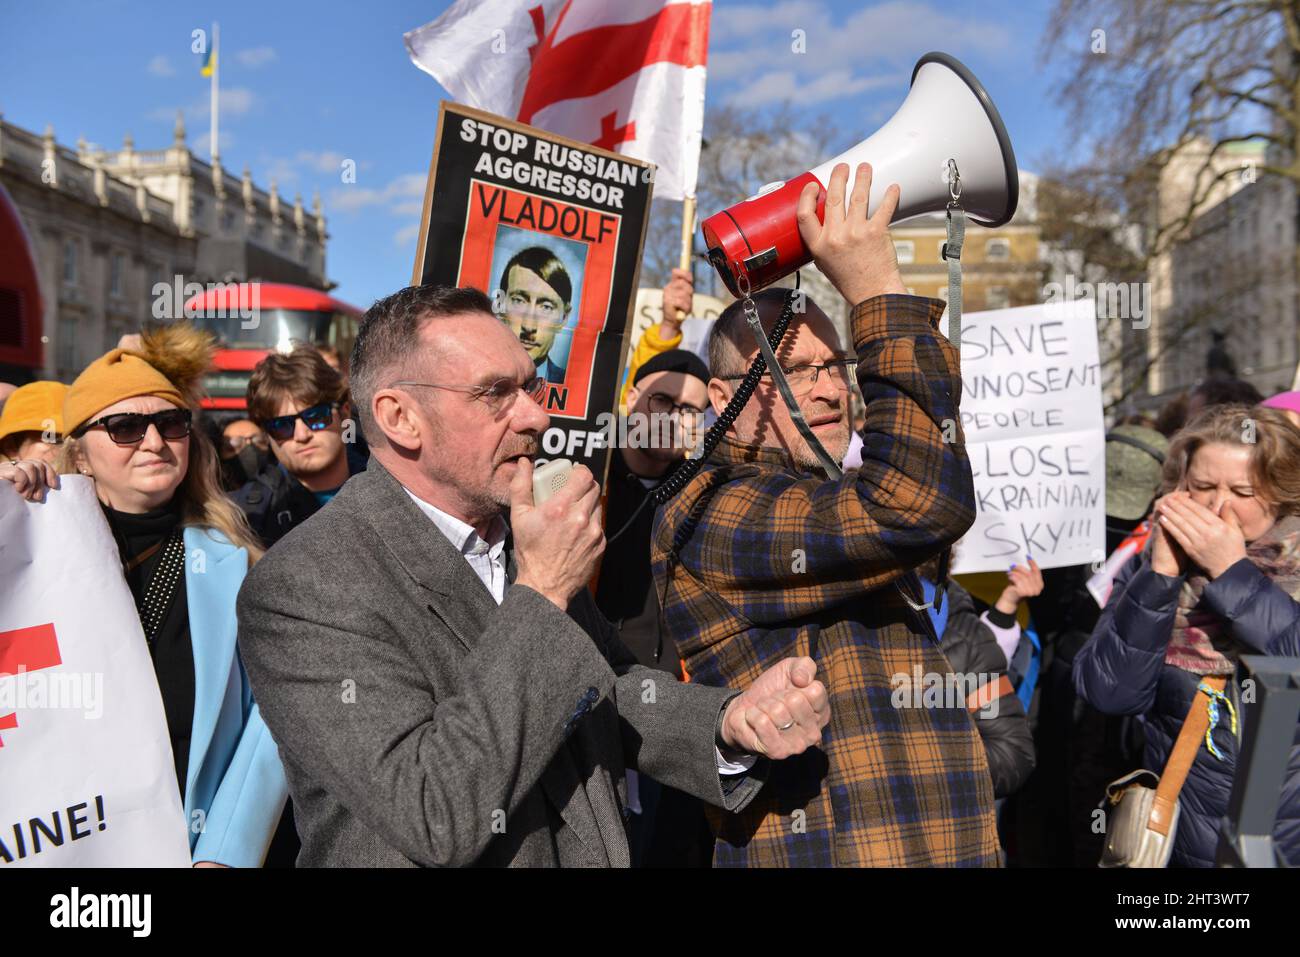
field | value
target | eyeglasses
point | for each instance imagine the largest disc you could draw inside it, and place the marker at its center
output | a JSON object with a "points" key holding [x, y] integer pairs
{"points": [[664, 405], [237, 442], [316, 418], [127, 428], [499, 396], [802, 378]]}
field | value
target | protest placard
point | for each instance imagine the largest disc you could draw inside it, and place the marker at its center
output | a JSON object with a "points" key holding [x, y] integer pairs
{"points": [[552, 231], [695, 328], [1032, 416], [87, 777]]}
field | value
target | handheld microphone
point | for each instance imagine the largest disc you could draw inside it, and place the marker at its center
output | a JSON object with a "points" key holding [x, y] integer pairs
{"points": [[550, 478]]}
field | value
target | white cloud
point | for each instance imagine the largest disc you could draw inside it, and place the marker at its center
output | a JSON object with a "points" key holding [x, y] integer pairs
{"points": [[235, 101], [161, 66], [395, 196], [256, 57], [326, 161], [406, 235], [775, 87], [200, 146], [281, 170], [757, 57], [322, 163], [747, 20]]}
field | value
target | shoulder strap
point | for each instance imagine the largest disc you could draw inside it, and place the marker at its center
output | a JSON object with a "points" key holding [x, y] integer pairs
{"points": [[1182, 756]]}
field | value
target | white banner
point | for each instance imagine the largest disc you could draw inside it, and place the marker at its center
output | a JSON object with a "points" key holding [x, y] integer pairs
{"points": [[1032, 416], [87, 777]]}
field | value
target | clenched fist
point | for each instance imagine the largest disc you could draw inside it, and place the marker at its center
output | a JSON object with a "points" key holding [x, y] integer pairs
{"points": [[781, 714]]}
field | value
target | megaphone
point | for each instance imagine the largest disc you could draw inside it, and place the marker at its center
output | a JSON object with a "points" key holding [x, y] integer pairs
{"points": [[947, 116]]}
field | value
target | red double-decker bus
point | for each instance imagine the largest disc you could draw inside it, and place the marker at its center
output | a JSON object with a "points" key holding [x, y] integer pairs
{"points": [[22, 352], [251, 320]]}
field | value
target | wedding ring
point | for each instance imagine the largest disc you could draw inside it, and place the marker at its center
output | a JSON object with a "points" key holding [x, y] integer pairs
{"points": [[786, 727]]}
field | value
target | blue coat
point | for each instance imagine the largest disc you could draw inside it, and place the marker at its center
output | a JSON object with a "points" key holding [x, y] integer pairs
{"points": [[1121, 670], [235, 788]]}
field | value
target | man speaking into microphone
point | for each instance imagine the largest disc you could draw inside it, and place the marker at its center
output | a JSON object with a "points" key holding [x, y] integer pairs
{"points": [[763, 556], [454, 697]]}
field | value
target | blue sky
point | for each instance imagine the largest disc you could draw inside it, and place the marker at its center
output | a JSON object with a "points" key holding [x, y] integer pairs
{"points": [[307, 85]]}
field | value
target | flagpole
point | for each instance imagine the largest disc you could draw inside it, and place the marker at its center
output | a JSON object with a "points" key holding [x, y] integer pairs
{"points": [[688, 231], [216, 69], [688, 242]]}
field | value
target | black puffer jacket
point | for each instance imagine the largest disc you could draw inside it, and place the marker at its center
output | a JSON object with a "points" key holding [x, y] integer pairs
{"points": [[971, 648], [275, 503], [1122, 670]]}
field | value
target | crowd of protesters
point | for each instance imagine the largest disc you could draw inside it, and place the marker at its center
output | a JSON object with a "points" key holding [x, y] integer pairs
{"points": [[610, 678]]}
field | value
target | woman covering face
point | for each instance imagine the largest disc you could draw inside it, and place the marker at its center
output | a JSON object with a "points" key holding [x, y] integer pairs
{"points": [[1220, 578], [184, 550]]}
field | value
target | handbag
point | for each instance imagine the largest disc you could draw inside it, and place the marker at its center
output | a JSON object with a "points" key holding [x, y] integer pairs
{"points": [[1144, 805]]}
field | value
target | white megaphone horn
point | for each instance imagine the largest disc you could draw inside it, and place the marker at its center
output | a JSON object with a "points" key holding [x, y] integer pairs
{"points": [[947, 116]]}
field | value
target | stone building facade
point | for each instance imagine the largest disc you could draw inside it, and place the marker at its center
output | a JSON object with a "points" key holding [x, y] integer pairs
{"points": [[108, 226]]}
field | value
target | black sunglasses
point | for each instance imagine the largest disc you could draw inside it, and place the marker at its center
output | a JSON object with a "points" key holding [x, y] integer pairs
{"points": [[318, 417], [127, 428]]}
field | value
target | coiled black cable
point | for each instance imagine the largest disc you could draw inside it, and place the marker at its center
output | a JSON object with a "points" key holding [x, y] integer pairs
{"points": [[690, 467]]}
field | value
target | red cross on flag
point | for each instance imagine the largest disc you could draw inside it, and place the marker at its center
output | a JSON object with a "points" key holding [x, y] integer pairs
{"points": [[626, 75]]}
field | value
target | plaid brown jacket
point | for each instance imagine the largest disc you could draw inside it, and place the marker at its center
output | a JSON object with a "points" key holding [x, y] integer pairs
{"points": [[755, 561]]}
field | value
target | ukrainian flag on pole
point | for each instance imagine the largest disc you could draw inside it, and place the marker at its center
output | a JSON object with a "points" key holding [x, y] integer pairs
{"points": [[209, 69]]}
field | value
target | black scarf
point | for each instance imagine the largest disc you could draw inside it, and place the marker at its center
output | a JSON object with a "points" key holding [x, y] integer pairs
{"points": [[142, 543]]}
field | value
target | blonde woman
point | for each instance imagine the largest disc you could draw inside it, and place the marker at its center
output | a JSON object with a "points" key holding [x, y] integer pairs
{"points": [[1220, 578], [184, 550]]}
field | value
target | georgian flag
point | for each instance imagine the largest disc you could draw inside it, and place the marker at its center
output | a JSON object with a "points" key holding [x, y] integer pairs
{"points": [[626, 75]]}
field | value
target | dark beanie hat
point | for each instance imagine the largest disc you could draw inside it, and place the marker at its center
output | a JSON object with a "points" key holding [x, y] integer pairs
{"points": [[674, 360]]}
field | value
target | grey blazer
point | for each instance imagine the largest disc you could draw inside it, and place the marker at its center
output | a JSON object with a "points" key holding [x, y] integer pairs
{"points": [[421, 724]]}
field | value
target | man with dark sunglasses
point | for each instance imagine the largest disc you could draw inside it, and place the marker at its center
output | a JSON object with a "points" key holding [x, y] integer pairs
{"points": [[301, 402]]}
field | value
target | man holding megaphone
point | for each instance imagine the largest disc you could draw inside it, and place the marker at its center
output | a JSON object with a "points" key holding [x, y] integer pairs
{"points": [[764, 555]]}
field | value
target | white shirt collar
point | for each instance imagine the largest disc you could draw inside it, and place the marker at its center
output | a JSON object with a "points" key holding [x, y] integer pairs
{"points": [[462, 535]]}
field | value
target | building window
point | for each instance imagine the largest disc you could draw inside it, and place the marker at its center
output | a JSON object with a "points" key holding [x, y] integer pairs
{"points": [[905, 249], [67, 347], [997, 297], [69, 261], [116, 283], [997, 250], [113, 333], [227, 221]]}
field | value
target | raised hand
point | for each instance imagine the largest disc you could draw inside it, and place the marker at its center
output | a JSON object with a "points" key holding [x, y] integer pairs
{"points": [[1213, 541], [1167, 556], [1026, 582], [679, 297], [854, 251]]}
